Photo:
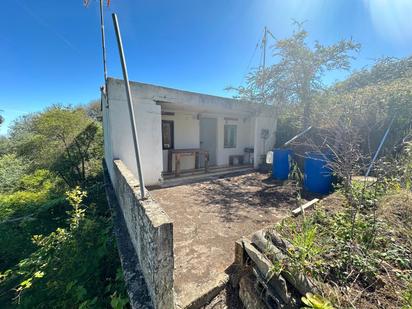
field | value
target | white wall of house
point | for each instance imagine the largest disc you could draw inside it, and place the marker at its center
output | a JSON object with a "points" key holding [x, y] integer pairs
{"points": [[262, 146], [148, 123], [186, 135], [149, 101], [244, 137]]}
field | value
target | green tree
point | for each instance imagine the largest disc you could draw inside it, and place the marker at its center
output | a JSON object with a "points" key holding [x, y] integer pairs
{"points": [[12, 169], [376, 96], [297, 75], [4, 145], [1, 119], [94, 110], [63, 139]]}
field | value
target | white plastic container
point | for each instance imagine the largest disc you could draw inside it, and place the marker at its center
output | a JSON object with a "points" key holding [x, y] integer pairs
{"points": [[269, 157]]}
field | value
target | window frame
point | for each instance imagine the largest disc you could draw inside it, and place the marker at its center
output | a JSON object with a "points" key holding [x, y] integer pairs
{"points": [[226, 128], [172, 134]]}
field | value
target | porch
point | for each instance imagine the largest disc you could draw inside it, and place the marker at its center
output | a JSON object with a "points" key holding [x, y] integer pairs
{"points": [[203, 142], [197, 175]]}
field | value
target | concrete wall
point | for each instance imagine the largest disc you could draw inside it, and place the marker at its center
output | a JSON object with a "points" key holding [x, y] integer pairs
{"points": [[262, 146], [151, 232], [120, 138], [107, 139], [244, 137]]}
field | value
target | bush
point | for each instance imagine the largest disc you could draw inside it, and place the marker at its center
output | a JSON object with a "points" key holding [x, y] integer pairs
{"points": [[12, 170], [76, 265]]}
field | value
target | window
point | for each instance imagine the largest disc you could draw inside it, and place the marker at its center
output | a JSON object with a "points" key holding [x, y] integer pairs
{"points": [[167, 134], [230, 136]]}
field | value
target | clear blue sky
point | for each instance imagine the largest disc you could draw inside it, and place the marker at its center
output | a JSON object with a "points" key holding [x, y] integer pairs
{"points": [[50, 50]]}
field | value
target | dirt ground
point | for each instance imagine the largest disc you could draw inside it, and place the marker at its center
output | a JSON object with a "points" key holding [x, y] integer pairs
{"points": [[208, 217]]}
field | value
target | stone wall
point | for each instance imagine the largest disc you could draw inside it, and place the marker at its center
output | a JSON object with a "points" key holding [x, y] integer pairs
{"points": [[151, 232]]}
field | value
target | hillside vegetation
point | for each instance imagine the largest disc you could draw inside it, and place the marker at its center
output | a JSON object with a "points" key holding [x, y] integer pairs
{"points": [[57, 249]]}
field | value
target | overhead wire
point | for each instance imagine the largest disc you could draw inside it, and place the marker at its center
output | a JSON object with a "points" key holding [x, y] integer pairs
{"points": [[250, 60]]}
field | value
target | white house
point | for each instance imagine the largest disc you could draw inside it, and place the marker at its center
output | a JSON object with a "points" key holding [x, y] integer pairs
{"points": [[181, 126]]}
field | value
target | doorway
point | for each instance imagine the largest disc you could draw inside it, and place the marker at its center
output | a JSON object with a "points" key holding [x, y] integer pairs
{"points": [[208, 138]]}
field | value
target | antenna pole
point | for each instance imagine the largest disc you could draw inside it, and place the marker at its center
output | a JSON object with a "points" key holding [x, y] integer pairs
{"points": [[103, 41], [130, 103], [264, 47], [379, 148]]}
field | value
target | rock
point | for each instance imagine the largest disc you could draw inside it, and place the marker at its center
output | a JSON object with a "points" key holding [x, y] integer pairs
{"points": [[264, 266], [278, 241], [298, 280], [248, 295], [266, 246]]}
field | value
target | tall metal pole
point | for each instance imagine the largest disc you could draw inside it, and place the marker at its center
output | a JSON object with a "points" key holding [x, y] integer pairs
{"points": [[297, 136], [103, 41], [264, 47], [130, 103], [379, 148]]}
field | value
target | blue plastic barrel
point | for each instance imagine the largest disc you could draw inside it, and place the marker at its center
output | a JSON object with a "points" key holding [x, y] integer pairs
{"points": [[281, 163], [318, 175]]}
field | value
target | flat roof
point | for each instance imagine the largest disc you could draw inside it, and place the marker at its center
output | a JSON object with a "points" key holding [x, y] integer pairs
{"points": [[174, 96]]}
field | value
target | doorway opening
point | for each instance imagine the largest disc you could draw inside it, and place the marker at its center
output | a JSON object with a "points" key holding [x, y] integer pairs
{"points": [[208, 138]]}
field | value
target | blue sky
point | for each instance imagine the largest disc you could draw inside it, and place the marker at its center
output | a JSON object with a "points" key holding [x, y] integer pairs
{"points": [[50, 50]]}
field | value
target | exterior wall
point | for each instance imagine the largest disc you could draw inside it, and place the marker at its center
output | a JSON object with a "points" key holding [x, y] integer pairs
{"points": [[148, 123], [151, 232], [186, 135], [262, 146], [244, 138], [107, 140]]}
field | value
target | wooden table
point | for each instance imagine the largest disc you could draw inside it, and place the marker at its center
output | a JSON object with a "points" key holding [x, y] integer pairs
{"points": [[186, 152]]}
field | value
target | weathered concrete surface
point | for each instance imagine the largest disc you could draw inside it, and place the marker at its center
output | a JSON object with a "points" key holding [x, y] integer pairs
{"points": [[209, 217], [151, 233]]}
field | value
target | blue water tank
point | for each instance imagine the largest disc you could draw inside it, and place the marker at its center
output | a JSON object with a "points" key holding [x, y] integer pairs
{"points": [[318, 175], [281, 163]]}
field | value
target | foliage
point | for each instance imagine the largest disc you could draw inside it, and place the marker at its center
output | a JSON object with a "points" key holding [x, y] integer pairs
{"points": [[306, 251], [296, 176], [11, 171], [366, 252], [399, 169], [297, 75], [386, 69], [407, 296], [94, 110], [63, 139], [53, 273], [4, 145], [57, 251], [23, 202], [316, 302]]}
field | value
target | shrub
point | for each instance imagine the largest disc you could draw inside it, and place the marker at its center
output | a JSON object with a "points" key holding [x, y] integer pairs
{"points": [[12, 170]]}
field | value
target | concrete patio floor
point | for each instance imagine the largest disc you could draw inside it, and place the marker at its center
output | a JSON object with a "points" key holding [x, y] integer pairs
{"points": [[208, 217]]}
